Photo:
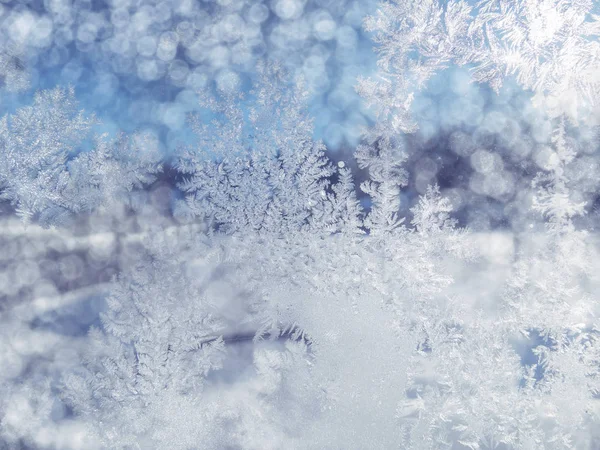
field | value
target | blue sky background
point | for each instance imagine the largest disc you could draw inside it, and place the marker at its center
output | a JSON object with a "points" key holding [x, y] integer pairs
{"points": [[106, 57], [137, 64]]}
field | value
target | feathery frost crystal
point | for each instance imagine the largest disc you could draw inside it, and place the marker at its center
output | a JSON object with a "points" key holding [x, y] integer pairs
{"points": [[243, 280]]}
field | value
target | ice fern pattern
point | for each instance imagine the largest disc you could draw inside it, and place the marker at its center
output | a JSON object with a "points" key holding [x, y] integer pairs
{"points": [[255, 289], [261, 170], [153, 355], [549, 47], [49, 174]]}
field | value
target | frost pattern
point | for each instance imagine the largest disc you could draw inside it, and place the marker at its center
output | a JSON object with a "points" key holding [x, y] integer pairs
{"points": [[550, 47], [46, 170], [261, 170], [286, 315], [12, 72]]}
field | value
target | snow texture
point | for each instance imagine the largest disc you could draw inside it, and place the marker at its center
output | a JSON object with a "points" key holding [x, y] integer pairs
{"points": [[299, 224]]}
